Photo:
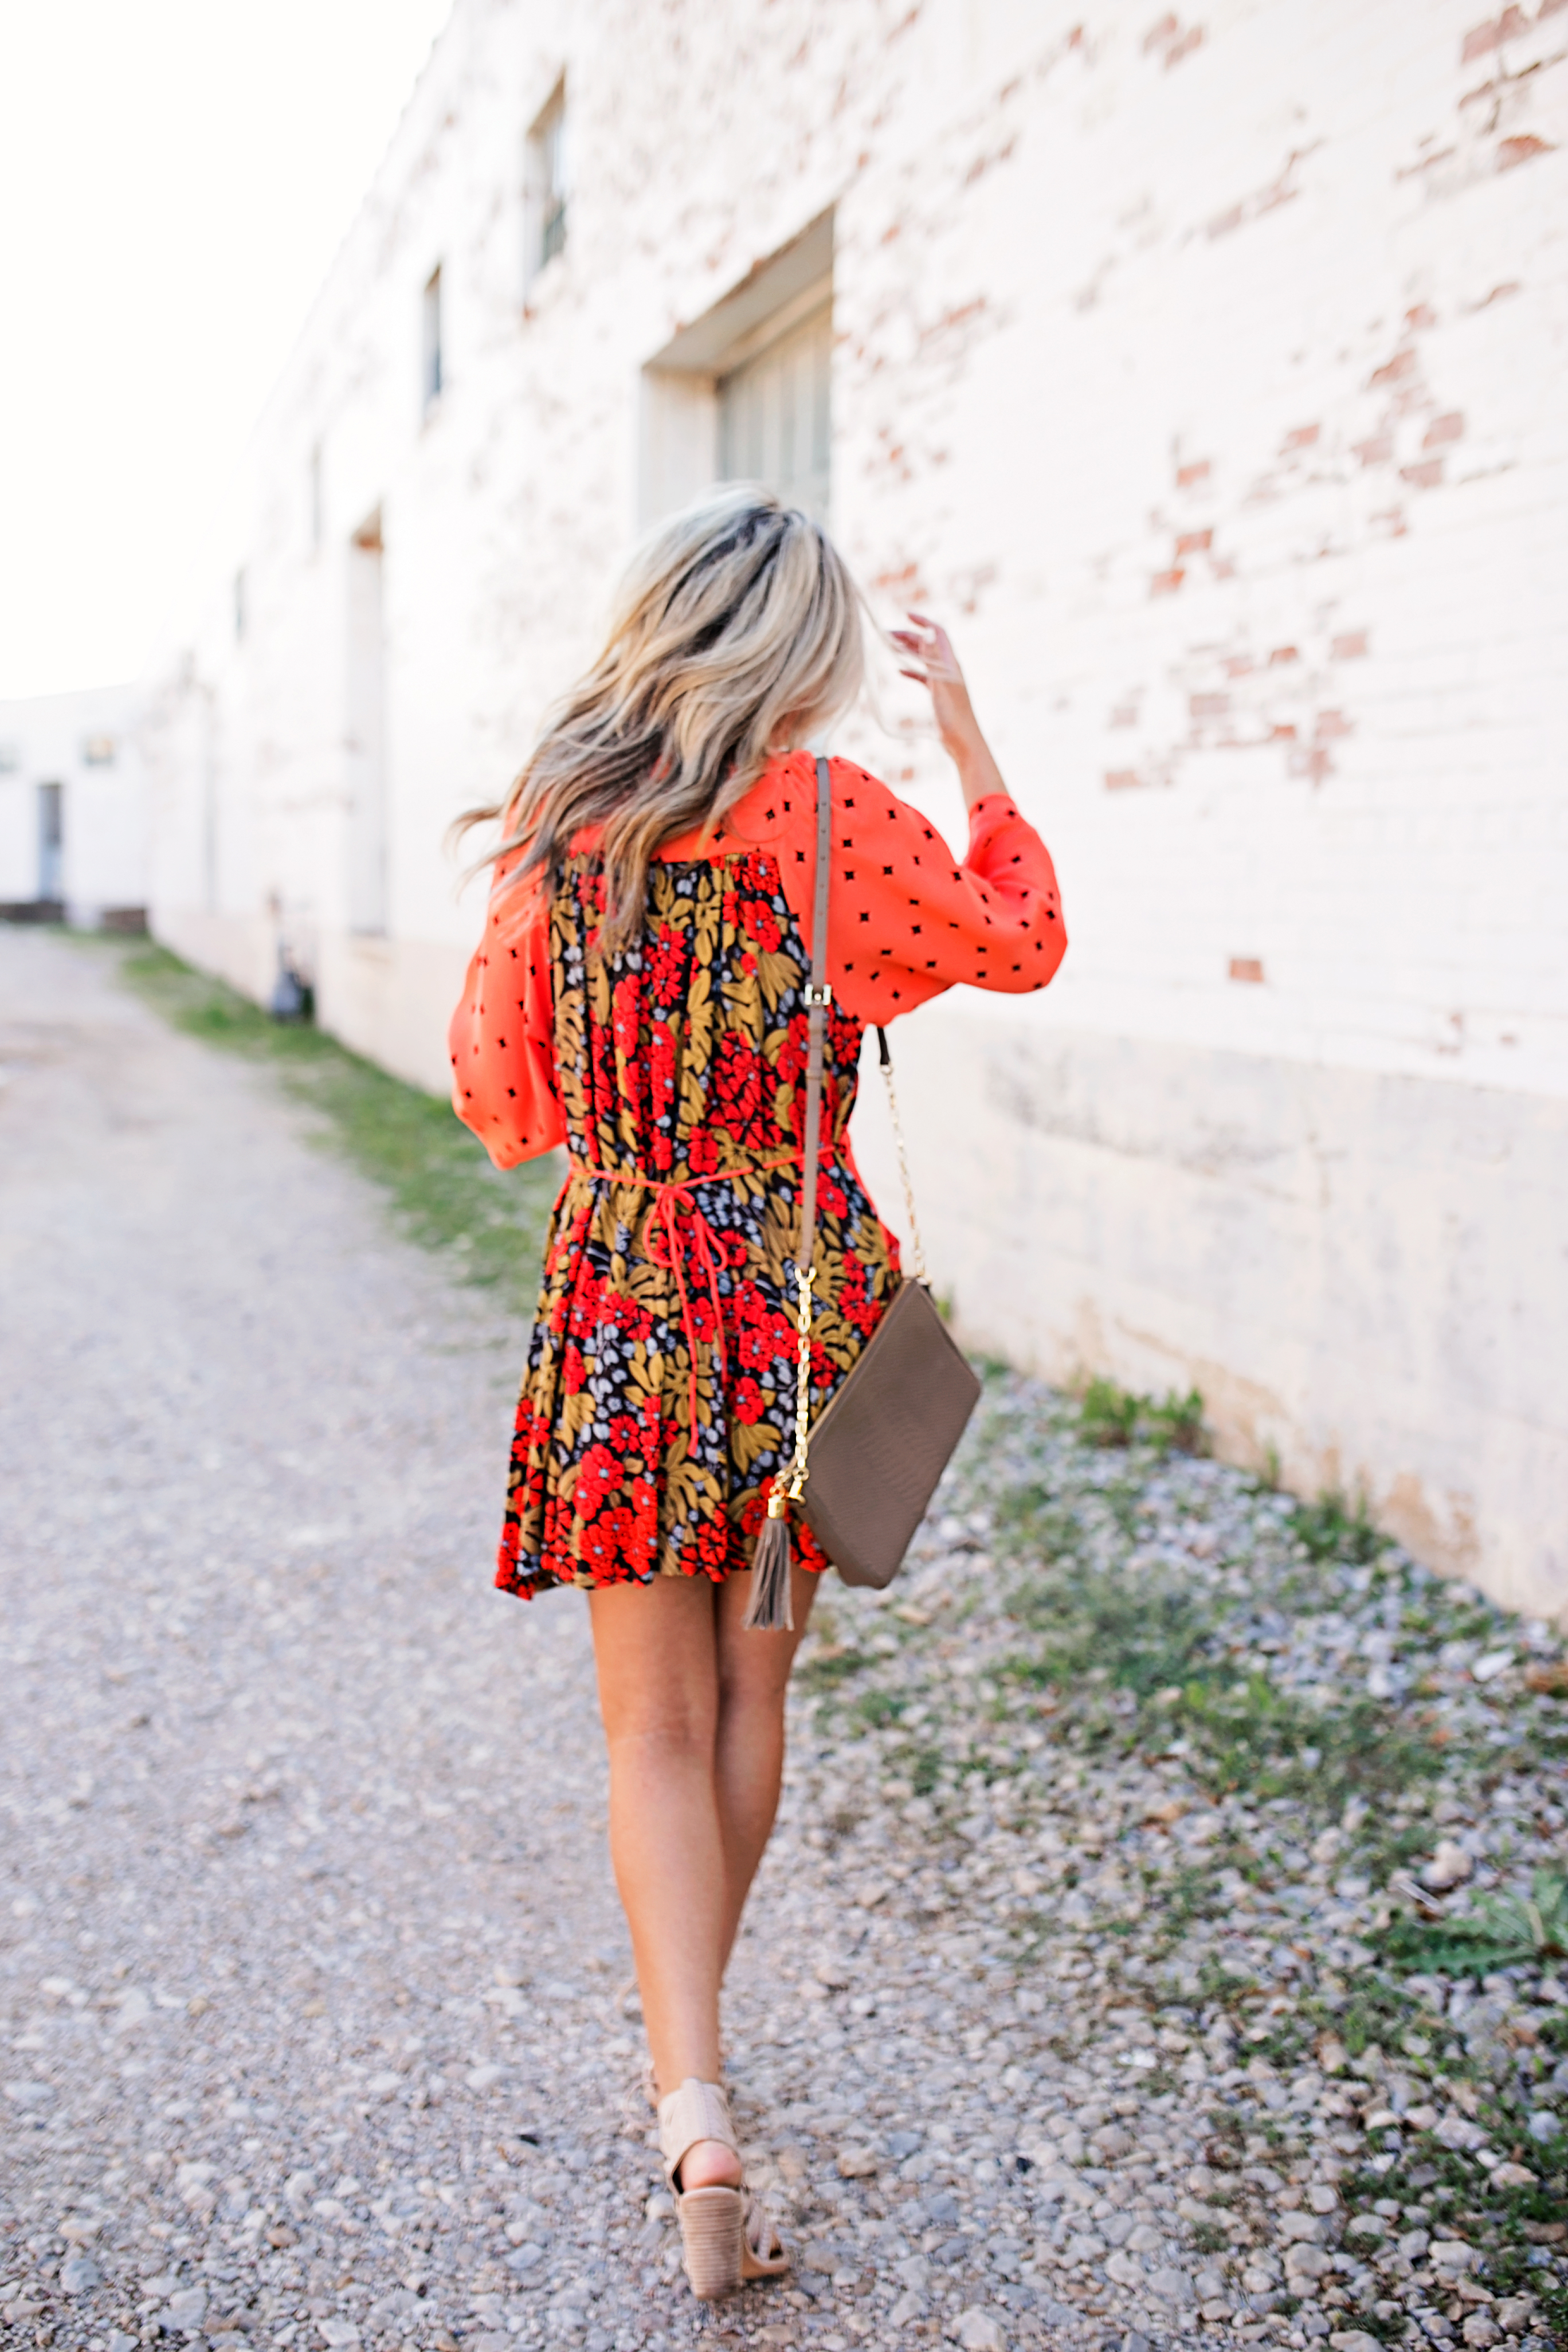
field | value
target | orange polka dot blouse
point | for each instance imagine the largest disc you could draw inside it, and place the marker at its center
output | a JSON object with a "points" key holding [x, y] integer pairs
{"points": [[906, 921]]}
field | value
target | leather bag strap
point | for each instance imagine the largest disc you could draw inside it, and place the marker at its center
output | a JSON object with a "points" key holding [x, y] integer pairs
{"points": [[818, 997]]}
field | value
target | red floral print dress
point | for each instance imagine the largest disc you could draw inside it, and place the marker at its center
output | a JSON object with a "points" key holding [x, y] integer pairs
{"points": [[657, 1399]]}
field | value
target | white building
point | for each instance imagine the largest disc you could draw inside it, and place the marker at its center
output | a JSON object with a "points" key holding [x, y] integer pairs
{"points": [[1206, 373], [73, 809]]}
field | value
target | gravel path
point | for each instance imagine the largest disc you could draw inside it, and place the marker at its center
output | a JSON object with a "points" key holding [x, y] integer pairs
{"points": [[313, 1989]]}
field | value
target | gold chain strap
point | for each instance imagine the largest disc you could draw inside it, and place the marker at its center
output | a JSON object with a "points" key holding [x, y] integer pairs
{"points": [[917, 1247], [796, 1477]]}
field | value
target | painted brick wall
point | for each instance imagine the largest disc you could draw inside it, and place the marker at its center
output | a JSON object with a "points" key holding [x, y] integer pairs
{"points": [[1205, 372]]}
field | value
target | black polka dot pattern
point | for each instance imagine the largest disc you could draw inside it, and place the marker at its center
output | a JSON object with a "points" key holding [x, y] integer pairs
{"points": [[905, 923]]}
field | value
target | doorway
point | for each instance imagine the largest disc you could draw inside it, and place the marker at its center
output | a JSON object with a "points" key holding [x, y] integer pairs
{"points": [[366, 733], [51, 843]]}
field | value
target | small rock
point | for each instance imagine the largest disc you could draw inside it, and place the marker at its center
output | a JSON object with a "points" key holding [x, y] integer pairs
{"points": [[1170, 2284], [1514, 2311], [480, 2078], [1487, 1670], [1309, 2261], [857, 2163], [1513, 2176], [1353, 2339], [1125, 2269], [909, 2306], [979, 2331], [1482, 2328], [1449, 1866], [30, 2094], [1542, 2125], [120, 2342], [340, 2334], [186, 2310], [79, 2275], [1305, 2226]]}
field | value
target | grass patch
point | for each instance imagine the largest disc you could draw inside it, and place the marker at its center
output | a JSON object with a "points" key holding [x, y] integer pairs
{"points": [[1502, 1931], [1114, 1417], [439, 1181], [1332, 1529]]}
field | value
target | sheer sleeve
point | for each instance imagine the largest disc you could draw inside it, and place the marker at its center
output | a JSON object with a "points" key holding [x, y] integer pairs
{"points": [[907, 919], [502, 1037]]}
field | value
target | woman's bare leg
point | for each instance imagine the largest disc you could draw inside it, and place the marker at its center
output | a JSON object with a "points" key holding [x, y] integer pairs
{"points": [[754, 1672], [693, 1787]]}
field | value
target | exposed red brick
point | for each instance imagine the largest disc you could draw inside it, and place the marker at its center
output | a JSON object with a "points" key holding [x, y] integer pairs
{"points": [[1351, 647], [1302, 436], [1191, 39], [1124, 715], [1198, 471], [1487, 38], [1282, 732], [1247, 968], [1521, 150], [1223, 222], [1377, 451], [1423, 315], [1401, 365], [1444, 428], [1165, 584], [1121, 779], [1281, 655], [1208, 706], [1312, 761], [1331, 723], [1238, 665], [1425, 475], [1194, 543], [1158, 35]]}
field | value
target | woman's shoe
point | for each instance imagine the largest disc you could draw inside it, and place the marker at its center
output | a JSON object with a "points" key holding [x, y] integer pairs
{"points": [[725, 2233]]}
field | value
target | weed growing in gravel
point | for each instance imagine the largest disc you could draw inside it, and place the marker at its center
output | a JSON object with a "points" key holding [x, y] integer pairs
{"points": [[1115, 1416], [442, 1187]]}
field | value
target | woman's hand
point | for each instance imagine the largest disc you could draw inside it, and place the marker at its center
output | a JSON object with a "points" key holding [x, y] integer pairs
{"points": [[933, 664]]}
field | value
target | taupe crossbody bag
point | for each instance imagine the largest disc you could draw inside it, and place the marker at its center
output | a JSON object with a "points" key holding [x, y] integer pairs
{"points": [[866, 1473]]}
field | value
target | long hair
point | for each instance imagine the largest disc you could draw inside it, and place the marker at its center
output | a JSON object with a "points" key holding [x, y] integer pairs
{"points": [[736, 633]]}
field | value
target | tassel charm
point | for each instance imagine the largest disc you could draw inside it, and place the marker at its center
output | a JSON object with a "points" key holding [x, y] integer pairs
{"points": [[771, 1609]]}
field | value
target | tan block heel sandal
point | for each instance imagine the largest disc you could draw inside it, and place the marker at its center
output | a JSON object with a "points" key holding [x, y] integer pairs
{"points": [[726, 2234]]}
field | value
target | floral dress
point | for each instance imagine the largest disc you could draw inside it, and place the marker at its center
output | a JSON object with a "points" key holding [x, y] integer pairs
{"points": [[657, 1402]]}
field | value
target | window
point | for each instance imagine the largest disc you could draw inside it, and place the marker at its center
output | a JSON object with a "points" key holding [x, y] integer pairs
{"points": [[241, 614], [774, 421], [546, 188], [744, 392], [432, 377], [98, 751]]}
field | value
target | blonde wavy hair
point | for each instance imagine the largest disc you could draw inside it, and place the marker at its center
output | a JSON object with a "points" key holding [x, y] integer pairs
{"points": [[737, 633]]}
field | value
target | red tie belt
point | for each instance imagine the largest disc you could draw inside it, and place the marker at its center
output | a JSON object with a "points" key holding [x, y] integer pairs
{"points": [[662, 1246]]}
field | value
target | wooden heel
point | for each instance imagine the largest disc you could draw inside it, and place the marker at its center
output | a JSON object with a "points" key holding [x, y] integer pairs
{"points": [[712, 2235]]}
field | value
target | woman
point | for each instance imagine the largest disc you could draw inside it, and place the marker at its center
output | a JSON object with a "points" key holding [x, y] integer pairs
{"points": [[638, 995]]}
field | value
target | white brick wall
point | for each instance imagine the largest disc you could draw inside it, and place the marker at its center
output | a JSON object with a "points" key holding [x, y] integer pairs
{"points": [[1206, 372]]}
